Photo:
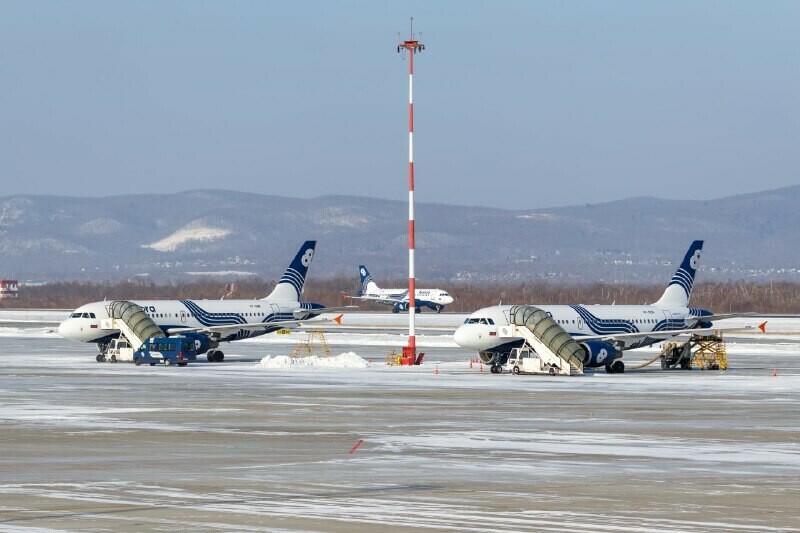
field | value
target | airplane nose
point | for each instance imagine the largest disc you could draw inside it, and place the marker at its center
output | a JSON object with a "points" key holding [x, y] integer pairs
{"points": [[461, 336], [62, 329]]}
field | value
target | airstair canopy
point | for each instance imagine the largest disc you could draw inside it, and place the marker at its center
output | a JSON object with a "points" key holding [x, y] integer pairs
{"points": [[136, 319], [547, 330]]}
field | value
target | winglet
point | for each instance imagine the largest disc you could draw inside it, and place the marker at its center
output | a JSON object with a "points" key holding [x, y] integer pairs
{"points": [[338, 319], [763, 326]]}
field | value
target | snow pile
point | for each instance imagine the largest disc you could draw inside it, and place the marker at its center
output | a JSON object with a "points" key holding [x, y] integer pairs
{"points": [[343, 360]]}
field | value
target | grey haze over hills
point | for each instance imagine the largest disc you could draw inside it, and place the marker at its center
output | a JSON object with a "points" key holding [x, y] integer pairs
{"points": [[179, 236]]}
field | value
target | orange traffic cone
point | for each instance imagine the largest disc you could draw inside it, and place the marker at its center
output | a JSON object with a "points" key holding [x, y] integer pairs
{"points": [[774, 372]]}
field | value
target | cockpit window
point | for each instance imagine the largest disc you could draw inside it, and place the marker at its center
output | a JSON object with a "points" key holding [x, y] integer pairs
{"points": [[85, 315], [75, 315], [472, 321], [91, 315], [490, 321], [483, 321]]}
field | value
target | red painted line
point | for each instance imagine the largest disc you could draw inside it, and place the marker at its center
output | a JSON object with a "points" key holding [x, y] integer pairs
{"points": [[354, 448]]}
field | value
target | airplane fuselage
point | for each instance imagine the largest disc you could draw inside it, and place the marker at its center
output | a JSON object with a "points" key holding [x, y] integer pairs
{"points": [[479, 331], [84, 324], [435, 299]]}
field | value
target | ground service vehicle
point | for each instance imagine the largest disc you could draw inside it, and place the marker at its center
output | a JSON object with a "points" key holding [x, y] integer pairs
{"points": [[118, 350], [526, 361], [169, 350]]}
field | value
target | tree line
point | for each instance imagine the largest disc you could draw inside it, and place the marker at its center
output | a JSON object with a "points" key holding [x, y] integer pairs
{"points": [[731, 296]]}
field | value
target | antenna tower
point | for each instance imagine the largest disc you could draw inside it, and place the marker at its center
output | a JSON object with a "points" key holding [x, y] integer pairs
{"points": [[411, 47]]}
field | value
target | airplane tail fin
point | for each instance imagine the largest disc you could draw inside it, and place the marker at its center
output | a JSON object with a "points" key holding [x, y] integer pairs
{"points": [[290, 286], [679, 289], [367, 283]]}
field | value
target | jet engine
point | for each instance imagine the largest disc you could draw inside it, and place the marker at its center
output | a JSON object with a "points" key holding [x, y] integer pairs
{"points": [[201, 342], [598, 353], [493, 358]]}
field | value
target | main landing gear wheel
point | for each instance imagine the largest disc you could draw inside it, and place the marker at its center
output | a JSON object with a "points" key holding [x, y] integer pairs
{"points": [[617, 367], [100, 358], [215, 356], [496, 369]]}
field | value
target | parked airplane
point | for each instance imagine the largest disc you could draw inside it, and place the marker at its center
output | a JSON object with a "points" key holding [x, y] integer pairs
{"points": [[210, 322], [603, 331], [436, 299]]}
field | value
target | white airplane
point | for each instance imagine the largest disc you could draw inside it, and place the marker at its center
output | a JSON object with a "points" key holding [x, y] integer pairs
{"points": [[210, 322], [603, 331], [436, 299]]}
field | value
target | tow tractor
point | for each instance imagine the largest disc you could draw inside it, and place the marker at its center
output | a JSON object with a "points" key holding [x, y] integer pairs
{"points": [[525, 360], [119, 349], [168, 350]]}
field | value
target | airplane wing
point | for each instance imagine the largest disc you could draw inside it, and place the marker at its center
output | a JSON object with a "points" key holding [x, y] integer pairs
{"points": [[319, 311], [666, 333], [723, 316], [288, 324]]}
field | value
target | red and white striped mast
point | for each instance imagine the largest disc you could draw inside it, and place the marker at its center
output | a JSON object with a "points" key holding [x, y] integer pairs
{"points": [[412, 46]]}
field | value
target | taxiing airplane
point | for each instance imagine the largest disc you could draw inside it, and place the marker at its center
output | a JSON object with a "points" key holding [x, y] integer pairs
{"points": [[210, 322], [603, 331], [435, 299]]}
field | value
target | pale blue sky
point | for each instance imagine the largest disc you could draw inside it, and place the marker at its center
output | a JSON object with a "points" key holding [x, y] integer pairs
{"points": [[519, 104]]}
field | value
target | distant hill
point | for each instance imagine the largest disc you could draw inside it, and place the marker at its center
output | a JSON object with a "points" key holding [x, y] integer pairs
{"points": [[177, 236]]}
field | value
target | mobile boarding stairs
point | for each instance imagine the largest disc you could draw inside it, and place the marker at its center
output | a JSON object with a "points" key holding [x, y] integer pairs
{"points": [[558, 351], [134, 325]]}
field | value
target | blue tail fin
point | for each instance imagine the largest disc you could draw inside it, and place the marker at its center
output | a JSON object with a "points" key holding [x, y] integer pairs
{"points": [[367, 283], [679, 289], [290, 286]]}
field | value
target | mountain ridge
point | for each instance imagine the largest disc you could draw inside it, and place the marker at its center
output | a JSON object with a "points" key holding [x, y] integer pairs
{"points": [[748, 236]]}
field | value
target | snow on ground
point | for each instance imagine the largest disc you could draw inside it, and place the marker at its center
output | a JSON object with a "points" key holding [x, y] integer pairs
{"points": [[33, 315], [28, 332], [261, 441], [343, 360]]}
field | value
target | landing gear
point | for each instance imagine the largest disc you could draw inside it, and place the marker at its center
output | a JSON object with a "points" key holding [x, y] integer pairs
{"points": [[438, 308], [617, 367], [496, 369], [395, 310], [100, 358], [215, 356]]}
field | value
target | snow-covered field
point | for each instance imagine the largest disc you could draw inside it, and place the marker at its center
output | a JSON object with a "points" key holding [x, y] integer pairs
{"points": [[261, 442]]}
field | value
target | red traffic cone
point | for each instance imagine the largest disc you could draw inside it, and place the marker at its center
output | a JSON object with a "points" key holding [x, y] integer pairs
{"points": [[436, 372], [774, 372]]}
